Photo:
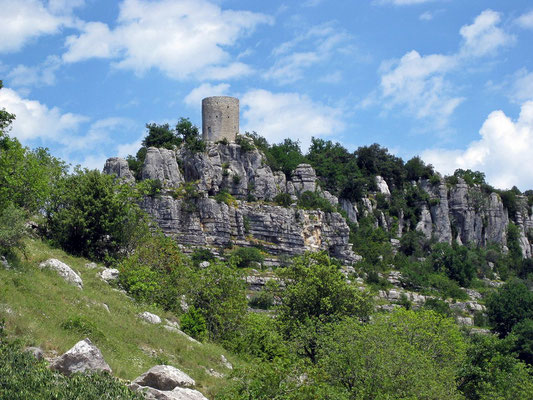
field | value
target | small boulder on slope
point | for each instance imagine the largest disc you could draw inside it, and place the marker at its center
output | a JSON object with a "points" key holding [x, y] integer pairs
{"points": [[84, 356], [63, 270], [165, 377]]}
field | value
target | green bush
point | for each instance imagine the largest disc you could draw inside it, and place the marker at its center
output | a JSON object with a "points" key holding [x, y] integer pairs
{"points": [[245, 143], [92, 215], [313, 201], [283, 199], [193, 324], [263, 300], [12, 229], [200, 255], [246, 257], [224, 197]]}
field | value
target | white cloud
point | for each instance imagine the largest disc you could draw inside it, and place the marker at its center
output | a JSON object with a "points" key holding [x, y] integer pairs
{"points": [[24, 20], [526, 20], [132, 148], [484, 36], [194, 98], [426, 16], [36, 122], [522, 87], [318, 45], [186, 38], [503, 152], [277, 116], [417, 83], [41, 75], [333, 77]]}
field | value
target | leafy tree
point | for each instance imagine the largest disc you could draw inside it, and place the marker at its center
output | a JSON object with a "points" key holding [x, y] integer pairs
{"points": [[285, 156], [402, 355], [470, 177], [336, 167], [313, 201], [491, 371], [246, 257], [90, 214], [193, 323], [156, 272], [316, 294], [12, 229], [416, 169], [511, 304], [376, 160], [456, 262], [185, 130], [6, 118], [160, 136], [217, 292], [523, 332]]}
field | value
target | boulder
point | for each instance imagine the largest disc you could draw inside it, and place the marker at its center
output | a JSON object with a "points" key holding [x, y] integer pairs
{"points": [[119, 167], [84, 356], [109, 274], [150, 318], [383, 188], [174, 394], [164, 377], [304, 178], [64, 271]]}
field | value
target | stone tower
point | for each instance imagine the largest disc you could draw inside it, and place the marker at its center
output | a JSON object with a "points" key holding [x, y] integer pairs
{"points": [[220, 118]]}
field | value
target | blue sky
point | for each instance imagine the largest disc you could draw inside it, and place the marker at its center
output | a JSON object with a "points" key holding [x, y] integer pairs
{"points": [[449, 80]]}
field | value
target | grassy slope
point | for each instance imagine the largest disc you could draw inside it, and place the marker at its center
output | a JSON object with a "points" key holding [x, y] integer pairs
{"points": [[41, 301]]}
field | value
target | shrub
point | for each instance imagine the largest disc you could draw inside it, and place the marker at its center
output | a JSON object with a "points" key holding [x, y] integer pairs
{"points": [[236, 179], [283, 199], [224, 197], [200, 255], [193, 324], [12, 229], [438, 306], [245, 143], [263, 300], [92, 215], [246, 257], [313, 201]]}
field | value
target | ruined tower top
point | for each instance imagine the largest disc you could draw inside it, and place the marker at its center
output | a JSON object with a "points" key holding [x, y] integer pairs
{"points": [[220, 118]]}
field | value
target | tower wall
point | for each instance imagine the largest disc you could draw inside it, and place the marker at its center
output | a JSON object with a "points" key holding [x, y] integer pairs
{"points": [[220, 118]]}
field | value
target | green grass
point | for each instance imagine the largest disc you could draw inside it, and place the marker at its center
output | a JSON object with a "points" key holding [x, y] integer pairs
{"points": [[51, 314]]}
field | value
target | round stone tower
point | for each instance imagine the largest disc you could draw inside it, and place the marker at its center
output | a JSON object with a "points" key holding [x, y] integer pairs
{"points": [[220, 118]]}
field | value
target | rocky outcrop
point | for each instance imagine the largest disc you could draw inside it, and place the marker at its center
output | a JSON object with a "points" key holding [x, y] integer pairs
{"points": [[304, 179], [477, 217], [277, 229], [119, 167], [109, 274], [524, 222], [382, 185], [63, 270], [83, 357], [161, 164]]}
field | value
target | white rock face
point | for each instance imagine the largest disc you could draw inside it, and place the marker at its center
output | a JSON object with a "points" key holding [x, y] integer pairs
{"points": [[109, 274], [150, 318], [164, 377], [84, 356], [383, 188], [161, 164], [64, 271]]}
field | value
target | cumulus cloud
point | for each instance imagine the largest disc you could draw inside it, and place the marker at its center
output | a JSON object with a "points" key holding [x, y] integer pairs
{"points": [[36, 122], [418, 84], [484, 36], [503, 151], [318, 45], [41, 75], [277, 116], [186, 38], [24, 20], [196, 95], [526, 20]]}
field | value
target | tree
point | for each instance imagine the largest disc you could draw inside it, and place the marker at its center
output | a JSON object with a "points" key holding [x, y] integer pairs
{"points": [[455, 261], [159, 136], [491, 371], [402, 355], [511, 304], [6, 118], [416, 169], [285, 156], [316, 295], [92, 215]]}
